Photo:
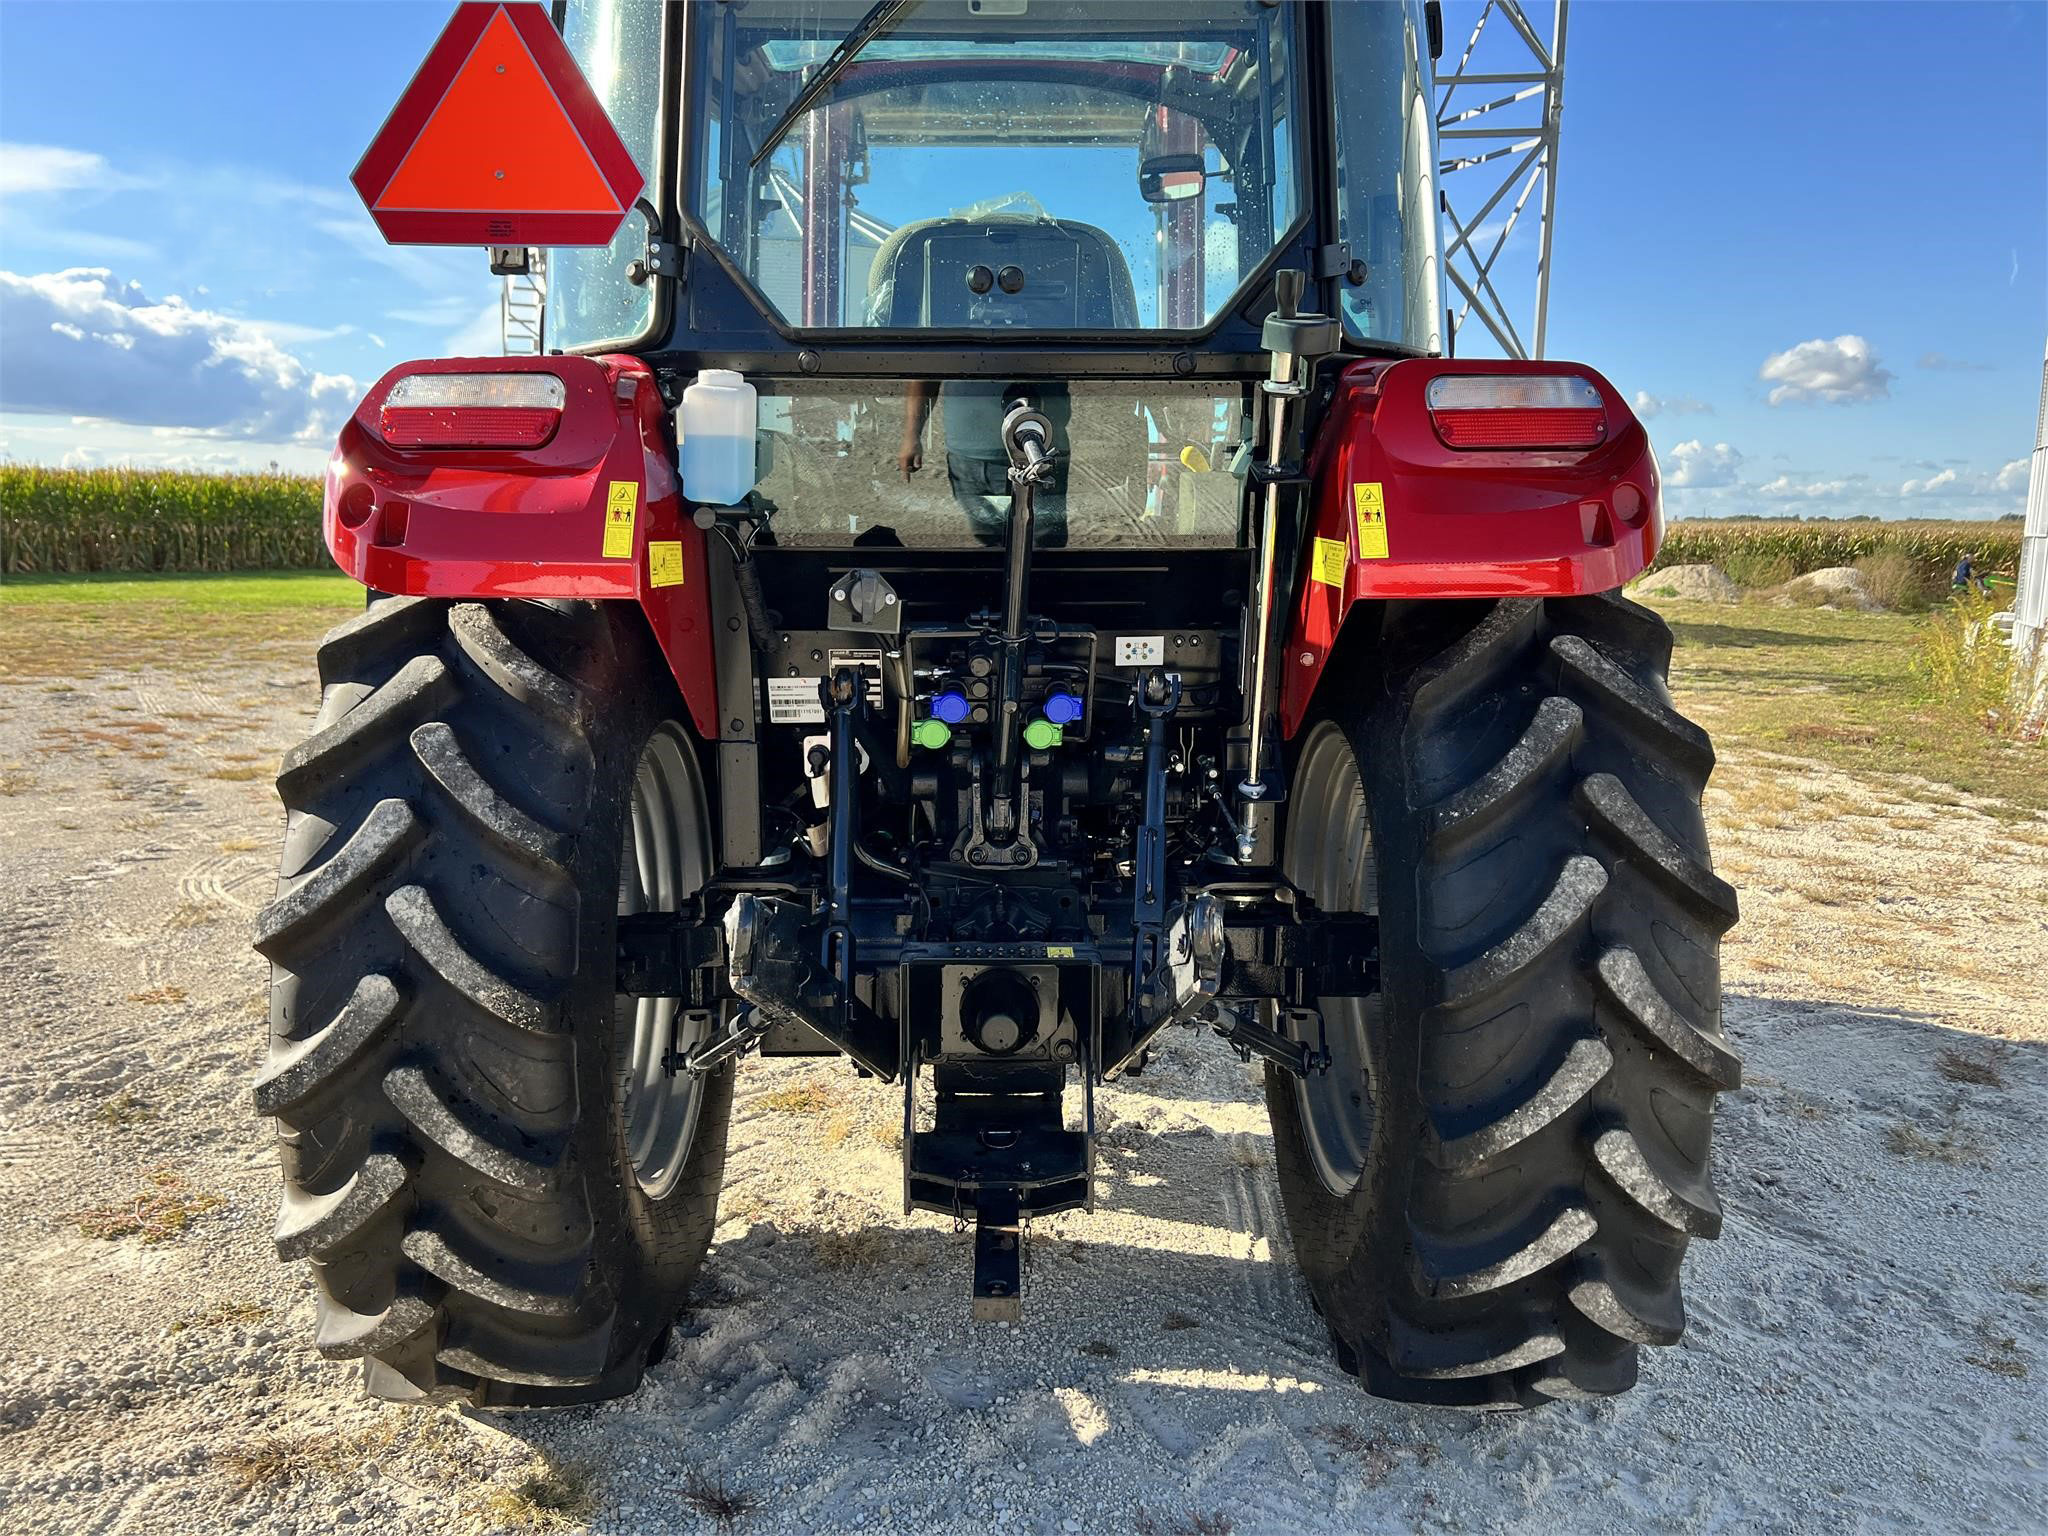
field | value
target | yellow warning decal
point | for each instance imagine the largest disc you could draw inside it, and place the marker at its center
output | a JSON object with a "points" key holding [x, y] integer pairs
{"points": [[1059, 951], [1372, 520], [664, 563], [619, 509], [1332, 559]]}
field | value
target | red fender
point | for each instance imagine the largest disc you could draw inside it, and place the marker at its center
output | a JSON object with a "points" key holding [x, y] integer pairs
{"points": [[1399, 514], [594, 512]]}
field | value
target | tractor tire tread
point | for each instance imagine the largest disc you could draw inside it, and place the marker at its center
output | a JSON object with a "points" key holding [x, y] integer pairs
{"points": [[1519, 1238], [445, 1143]]}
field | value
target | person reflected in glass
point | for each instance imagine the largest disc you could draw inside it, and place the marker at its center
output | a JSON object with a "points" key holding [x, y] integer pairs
{"points": [[977, 466]]}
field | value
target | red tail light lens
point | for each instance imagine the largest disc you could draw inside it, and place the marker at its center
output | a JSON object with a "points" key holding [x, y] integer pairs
{"points": [[472, 410], [1509, 410]]}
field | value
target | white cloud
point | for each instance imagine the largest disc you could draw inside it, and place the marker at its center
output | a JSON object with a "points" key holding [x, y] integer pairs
{"points": [[57, 242], [48, 168], [286, 332], [1840, 372], [1947, 483], [1785, 488], [483, 336], [2009, 479], [450, 309], [82, 343], [1940, 363], [1648, 405], [1696, 465], [428, 269], [60, 440]]}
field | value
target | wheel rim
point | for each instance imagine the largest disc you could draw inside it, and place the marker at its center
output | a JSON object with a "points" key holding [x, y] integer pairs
{"points": [[663, 860], [1329, 855]]}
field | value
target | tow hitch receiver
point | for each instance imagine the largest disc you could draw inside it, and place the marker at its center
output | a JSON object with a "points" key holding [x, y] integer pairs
{"points": [[1006, 1155], [998, 1258]]}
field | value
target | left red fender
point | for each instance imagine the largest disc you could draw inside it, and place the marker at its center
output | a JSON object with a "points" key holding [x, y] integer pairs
{"points": [[525, 477]]}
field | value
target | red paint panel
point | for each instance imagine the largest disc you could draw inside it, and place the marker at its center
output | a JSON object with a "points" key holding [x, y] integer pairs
{"points": [[1461, 522], [498, 140], [530, 522]]}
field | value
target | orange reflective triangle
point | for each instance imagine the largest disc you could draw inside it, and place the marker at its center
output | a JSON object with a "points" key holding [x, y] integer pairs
{"points": [[499, 141]]}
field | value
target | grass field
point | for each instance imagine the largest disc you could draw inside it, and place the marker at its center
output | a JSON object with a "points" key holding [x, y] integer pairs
{"points": [[226, 593], [1844, 688], [74, 626], [1841, 687]]}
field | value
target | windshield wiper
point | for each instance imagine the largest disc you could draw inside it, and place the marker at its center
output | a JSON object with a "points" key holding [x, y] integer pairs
{"points": [[880, 17]]}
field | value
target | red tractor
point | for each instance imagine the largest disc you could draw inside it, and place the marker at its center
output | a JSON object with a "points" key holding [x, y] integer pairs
{"points": [[997, 566]]}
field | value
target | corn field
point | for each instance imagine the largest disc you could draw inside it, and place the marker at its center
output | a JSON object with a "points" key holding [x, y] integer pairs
{"points": [[1763, 554], [76, 520]]}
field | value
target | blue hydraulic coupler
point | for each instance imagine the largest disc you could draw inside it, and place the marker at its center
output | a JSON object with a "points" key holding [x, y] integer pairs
{"points": [[1061, 707]]}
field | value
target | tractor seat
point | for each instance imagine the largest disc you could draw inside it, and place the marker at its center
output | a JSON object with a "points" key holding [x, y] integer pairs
{"points": [[944, 274]]}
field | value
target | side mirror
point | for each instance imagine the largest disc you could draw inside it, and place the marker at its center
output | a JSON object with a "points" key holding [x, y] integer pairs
{"points": [[1171, 178]]}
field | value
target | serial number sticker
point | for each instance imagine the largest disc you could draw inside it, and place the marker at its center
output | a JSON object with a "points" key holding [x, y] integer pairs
{"points": [[1140, 650], [1059, 951], [620, 506], [794, 701], [664, 563], [1371, 502], [1331, 560]]}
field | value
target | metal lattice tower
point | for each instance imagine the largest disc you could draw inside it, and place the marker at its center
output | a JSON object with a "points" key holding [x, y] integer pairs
{"points": [[1491, 151], [522, 309]]}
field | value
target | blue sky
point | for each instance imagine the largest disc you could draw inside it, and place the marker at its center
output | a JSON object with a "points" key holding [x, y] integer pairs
{"points": [[1809, 237]]}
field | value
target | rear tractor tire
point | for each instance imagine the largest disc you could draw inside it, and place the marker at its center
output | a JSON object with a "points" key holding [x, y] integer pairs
{"points": [[1491, 1189], [503, 1193]]}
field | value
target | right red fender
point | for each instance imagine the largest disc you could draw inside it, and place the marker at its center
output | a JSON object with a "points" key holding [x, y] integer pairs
{"points": [[1401, 513]]}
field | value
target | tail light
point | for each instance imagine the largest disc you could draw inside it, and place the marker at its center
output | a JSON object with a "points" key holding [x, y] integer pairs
{"points": [[472, 410], [1517, 410]]}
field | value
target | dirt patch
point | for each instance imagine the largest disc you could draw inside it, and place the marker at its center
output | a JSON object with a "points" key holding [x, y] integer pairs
{"points": [[1836, 586], [1891, 948], [1688, 583]]}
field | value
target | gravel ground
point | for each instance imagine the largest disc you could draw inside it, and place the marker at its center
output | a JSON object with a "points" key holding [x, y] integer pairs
{"points": [[1866, 1347]]}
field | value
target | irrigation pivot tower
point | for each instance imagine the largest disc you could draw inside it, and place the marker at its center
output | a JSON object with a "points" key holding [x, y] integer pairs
{"points": [[1509, 73]]}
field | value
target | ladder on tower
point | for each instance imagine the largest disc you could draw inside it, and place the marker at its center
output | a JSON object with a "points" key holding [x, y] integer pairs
{"points": [[522, 308]]}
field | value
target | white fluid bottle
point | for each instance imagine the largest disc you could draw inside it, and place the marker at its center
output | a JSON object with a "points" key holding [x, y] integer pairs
{"points": [[716, 425]]}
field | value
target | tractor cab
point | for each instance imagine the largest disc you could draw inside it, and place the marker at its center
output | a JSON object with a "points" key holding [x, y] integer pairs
{"points": [[1102, 176], [886, 216]]}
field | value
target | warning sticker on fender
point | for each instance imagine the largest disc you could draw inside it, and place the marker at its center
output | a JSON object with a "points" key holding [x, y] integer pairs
{"points": [[1372, 519], [1330, 562], [664, 563], [619, 509]]}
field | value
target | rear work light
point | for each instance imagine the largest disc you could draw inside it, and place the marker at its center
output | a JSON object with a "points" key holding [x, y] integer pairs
{"points": [[1508, 410], [472, 410]]}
